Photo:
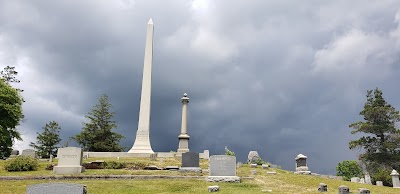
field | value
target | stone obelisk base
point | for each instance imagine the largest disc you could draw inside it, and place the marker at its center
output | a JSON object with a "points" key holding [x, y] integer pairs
{"points": [[183, 143]]}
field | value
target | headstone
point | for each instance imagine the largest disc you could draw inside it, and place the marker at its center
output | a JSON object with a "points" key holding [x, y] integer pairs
{"points": [[264, 166], [395, 179], [253, 165], [171, 168], [153, 157], [271, 172], [214, 188], [51, 159], [368, 179], [301, 164], [355, 179], [222, 169], [343, 189], [69, 161], [206, 154], [363, 191], [239, 164], [253, 155], [379, 183], [151, 167], [253, 172], [85, 156], [190, 162], [58, 188], [322, 187], [29, 152], [362, 181], [15, 152]]}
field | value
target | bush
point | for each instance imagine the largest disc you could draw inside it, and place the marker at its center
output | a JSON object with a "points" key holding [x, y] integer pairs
{"points": [[384, 176], [49, 167], [114, 165], [228, 152], [348, 169], [135, 165], [21, 163], [93, 165], [257, 160]]}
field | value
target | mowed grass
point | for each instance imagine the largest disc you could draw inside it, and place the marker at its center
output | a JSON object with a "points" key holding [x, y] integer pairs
{"points": [[282, 182]]}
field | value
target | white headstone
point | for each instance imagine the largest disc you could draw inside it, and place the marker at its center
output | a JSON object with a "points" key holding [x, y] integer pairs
{"points": [[368, 179], [69, 161], [395, 179], [355, 179]]}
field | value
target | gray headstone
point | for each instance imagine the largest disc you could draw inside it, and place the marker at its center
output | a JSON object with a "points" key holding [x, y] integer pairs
{"points": [[253, 165], [190, 159], [51, 159], [362, 180], [322, 187], [222, 165], [253, 155], [343, 189], [29, 152], [15, 152], [214, 188], [264, 166], [355, 179], [69, 161], [363, 191], [368, 179], [56, 188], [379, 183]]}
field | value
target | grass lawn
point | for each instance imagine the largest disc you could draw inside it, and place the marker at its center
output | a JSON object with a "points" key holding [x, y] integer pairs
{"points": [[282, 182]]}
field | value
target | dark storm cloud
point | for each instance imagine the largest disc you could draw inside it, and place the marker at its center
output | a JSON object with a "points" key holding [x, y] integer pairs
{"points": [[272, 76]]}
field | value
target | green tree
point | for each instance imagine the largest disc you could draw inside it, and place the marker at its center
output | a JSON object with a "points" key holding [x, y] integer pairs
{"points": [[380, 143], [10, 117], [46, 143], [348, 169], [97, 135]]}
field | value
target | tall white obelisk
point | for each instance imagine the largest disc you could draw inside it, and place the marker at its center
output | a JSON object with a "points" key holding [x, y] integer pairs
{"points": [[142, 141]]}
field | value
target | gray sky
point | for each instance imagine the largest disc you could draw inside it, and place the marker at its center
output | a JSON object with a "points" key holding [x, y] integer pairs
{"points": [[273, 76]]}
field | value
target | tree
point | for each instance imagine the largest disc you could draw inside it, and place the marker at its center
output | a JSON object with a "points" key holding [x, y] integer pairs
{"points": [[381, 141], [97, 135], [10, 117], [46, 142], [348, 169], [8, 75]]}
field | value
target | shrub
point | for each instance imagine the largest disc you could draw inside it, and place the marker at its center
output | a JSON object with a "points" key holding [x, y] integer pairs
{"points": [[93, 165], [135, 165], [114, 165], [348, 169], [384, 176], [21, 163], [228, 152], [257, 160]]}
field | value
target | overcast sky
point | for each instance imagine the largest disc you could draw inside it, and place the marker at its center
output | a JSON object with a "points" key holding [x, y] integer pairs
{"points": [[279, 77]]}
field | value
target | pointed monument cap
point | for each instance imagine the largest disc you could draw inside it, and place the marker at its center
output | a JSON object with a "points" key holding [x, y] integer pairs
{"points": [[150, 21], [394, 173]]}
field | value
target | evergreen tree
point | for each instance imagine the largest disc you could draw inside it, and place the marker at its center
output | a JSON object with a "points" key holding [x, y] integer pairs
{"points": [[381, 141], [97, 135], [46, 143]]}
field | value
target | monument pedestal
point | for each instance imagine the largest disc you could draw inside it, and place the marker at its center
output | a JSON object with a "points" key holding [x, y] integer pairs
{"points": [[229, 179], [190, 169], [68, 169], [183, 143]]}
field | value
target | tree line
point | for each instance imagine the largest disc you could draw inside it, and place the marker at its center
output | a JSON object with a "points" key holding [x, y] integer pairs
{"points": [[97, 134]]}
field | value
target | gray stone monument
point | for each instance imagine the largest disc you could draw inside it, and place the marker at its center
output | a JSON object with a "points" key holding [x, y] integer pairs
{"points": [[322, 187], [355, 180], [15, 152], [56, 188], [395, 179], [142, 141], [367, 179], [301, 165], [379, 183], [363, 191], [362, 181], [222, 169], [190, 162], [184, 137], [343, 189], [69, 161], [252, 157], [29, 152]]}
